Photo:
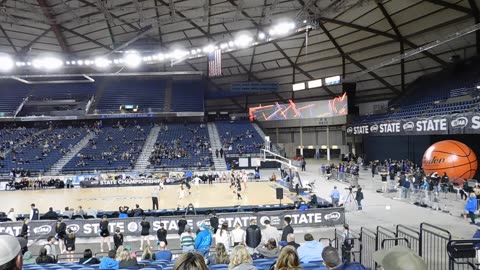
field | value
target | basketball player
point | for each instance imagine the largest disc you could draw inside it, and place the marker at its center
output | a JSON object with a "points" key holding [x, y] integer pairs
{"points": [[239, 189], [245, 179], [181, 196], [188, 186]]}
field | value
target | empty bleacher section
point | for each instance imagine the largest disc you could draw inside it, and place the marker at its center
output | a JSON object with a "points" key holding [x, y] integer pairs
{"points": [[13, 93], [39, 151], [187, 96], [63, 91], [239, 137], [114, 148], [182, 146], [442, 93], [147, 94]]}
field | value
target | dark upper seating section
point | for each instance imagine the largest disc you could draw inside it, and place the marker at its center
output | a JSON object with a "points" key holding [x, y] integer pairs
{"points": [[63, 90], [37, 151], [187, 96], [13, 94], [148, 94], [239, 137], [441, 93], [113, 148], [182, 146]]}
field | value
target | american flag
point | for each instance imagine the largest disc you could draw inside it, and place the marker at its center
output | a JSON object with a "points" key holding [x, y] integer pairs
{"points": [[215, 63]]}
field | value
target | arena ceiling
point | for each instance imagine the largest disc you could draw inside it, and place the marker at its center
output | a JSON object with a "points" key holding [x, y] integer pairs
{"points": [[347, 36]]}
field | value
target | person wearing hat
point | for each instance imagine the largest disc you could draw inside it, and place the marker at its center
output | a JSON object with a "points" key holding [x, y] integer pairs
{"points": [[27, 258], [10, 253], [399, 258], [331, 260], [203, 241], [162, 234]]}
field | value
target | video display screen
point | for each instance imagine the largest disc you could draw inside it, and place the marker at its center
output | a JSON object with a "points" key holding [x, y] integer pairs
{"points": [[300, 110]]}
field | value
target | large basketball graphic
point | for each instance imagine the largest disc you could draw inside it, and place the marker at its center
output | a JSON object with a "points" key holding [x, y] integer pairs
{"points": [[452, 157]]}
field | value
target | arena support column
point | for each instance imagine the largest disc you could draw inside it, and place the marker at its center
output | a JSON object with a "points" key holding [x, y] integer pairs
{"points": [[328, 143], [301, 141]]}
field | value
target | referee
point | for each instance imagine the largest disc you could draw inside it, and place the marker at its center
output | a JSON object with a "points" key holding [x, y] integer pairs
{"points": [[155, 193]]}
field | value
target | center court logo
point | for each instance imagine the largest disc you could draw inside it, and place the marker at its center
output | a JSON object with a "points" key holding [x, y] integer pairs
{"points": [[333, 216], [43, 230]]}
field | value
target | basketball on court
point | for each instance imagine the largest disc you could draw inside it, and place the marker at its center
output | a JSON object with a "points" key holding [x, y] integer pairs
{"points": [[452, 157]]}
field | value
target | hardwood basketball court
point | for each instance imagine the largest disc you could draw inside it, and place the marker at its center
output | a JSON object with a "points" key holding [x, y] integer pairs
{"points": [[109, 199]]}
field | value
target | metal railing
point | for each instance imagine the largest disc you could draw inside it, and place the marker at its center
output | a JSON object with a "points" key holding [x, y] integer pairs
{"points": [[432, 243]]}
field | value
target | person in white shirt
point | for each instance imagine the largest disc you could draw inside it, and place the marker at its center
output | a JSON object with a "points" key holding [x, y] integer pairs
{"points": [[91, 212], [223, 236], [11, 215], [270, 233], [238, 235]]}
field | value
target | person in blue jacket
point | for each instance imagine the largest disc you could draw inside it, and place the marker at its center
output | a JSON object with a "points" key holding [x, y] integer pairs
{"points": [[109, 262], [203, 241], [471, 207]]}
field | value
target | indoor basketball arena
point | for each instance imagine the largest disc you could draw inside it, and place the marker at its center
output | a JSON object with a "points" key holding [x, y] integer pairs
{"points": [[239, 134]]}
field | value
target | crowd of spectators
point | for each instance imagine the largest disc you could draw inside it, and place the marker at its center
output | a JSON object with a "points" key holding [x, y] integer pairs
{"points": [[183, 146], [241, 143]]}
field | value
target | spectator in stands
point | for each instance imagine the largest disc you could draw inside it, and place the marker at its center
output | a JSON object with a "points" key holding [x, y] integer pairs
{"points": [[331, 260], [43, 257], [214, 222], [69, 242], [291, 241], [335, 195], [10, 253], [253, 236], [223, 236], [310, 250], [24, 231], [145, 233], [163, 253], [240, 259], [109, 262], [190, 261], [80, 212], [220, 256], [398, 258], [125, 260], [288, 260], [181, 225], [61, 232], [117, 238], [68, 212], [104, 233], [187, 240], [203, 241], [238, 235], [11, 215], [137, 211], [270, 249], [287, 229], [162, 234], [88, 258], [50, 247], [269, 232], [52, 215], [471, 207], [148, 253], [123, 211], [27, 259]]}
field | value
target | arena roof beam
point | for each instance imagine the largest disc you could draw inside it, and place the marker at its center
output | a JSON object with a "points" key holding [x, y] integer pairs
{"points": [[27, 47], [400, 37], [451, 6], [139, 35], [139, 10], [268, 11], [476, 15], [355, 62], [85, 37], [55, 27], [385, 34], [239, 9], [108, 18], [8, 39], [173, 14]]}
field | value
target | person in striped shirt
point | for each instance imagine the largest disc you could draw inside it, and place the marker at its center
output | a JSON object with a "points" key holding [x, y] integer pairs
{"points": [[187, 240]]}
